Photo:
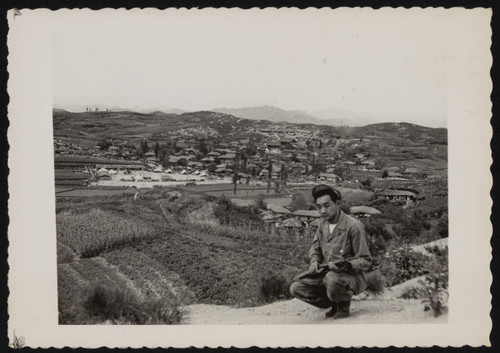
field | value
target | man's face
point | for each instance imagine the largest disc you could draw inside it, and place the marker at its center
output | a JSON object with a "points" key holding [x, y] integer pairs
{"points": [[326, 207]]}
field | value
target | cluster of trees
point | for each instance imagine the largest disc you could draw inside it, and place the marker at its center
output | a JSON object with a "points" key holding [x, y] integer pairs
{"points": [[161, 151]]}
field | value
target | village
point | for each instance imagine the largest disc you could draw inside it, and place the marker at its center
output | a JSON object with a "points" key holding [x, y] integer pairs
{"points": [[273, 161]]}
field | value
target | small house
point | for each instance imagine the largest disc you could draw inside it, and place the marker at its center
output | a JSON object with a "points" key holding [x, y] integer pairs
{"points": [[306, 215], [363, 211], [398, 195]]}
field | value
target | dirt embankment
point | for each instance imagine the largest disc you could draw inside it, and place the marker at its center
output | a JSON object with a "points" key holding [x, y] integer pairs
{"points": [[396, 311]]}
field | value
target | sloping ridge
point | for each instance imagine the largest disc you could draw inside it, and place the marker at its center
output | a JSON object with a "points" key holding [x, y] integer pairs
{"points": [[386, 308]]}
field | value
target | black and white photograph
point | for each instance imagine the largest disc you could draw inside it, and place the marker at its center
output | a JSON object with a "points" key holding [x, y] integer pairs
{"points": [[258, 167]]}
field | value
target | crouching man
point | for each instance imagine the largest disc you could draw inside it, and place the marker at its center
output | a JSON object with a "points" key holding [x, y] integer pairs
{"points": [[338, 258]]}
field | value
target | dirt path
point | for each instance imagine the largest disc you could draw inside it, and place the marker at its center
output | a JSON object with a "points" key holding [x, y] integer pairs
{"points": [[297, 312]]}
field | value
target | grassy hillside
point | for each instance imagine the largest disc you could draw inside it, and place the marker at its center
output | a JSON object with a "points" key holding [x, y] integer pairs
{"points": [[88, 128]]}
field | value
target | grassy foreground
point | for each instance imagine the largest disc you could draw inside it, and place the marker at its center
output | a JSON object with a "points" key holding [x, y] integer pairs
{"points": [[140, 261]]}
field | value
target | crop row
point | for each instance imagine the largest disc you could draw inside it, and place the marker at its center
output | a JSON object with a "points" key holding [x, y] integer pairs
{"points": [[95, 231], [216, 274], [75, 278], [154, 280]]}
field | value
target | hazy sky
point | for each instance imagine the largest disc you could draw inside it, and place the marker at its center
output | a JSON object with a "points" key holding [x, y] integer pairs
{"points": [[394, 66]]}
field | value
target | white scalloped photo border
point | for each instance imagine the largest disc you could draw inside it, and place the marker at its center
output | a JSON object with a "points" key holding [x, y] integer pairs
{"points": [[32, 281]]}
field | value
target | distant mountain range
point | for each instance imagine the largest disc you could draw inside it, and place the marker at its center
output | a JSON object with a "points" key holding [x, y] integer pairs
{"points": [[331, 117], [272, 114]]}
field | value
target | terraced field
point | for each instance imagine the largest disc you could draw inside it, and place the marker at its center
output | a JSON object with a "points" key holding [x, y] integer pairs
{"points": [[196, 249], [76, 278], [134, 246]]}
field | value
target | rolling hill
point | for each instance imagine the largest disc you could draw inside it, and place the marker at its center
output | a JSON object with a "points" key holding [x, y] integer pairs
{"points": [[396, 143]]}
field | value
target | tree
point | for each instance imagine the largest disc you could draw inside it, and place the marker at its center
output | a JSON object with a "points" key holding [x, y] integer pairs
{"points": [[156, 149], [235, 181], [104, 144], [318, 167], [378, 164], [244, 159], [202, 147], [143, 147], [385, 174], [269, 175], [367, 183], [211, 168], [174, 146], [237, 160], [284, 173], [250, 149], [343, 172], [164, 156]]}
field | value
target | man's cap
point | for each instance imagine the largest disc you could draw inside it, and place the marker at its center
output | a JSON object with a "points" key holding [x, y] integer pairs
{"points": [[323, 189]]}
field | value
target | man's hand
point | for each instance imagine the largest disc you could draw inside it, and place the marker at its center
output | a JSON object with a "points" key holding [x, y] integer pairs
{"points": [[340, 266], [314, 267], [333, 267]]}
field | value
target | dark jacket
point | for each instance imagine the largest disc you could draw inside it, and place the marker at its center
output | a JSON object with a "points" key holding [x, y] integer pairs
{"points": [[347, 242]]}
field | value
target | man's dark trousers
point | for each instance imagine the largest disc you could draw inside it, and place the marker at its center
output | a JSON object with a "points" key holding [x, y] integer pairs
{"points": [[322, 290]]}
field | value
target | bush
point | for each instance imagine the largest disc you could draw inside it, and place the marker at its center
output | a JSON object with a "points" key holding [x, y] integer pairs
{"points": [[427, 225], [409, 228], [229, 214], [273, 287], [442, 226], [260, 203], [403, 264], [377, 234], [377, 202], [436, 293], [375, 282], [376, 245], [125, 307], [391, 211], [413, 293], [299, 201], [375, 226]]}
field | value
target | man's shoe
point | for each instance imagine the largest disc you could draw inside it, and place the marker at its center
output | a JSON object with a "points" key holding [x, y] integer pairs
{"points": [[331, 313], [343, 310]]}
